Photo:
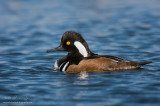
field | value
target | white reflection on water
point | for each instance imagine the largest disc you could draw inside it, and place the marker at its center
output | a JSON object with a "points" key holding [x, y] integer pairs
{"points": [[83, 75]]}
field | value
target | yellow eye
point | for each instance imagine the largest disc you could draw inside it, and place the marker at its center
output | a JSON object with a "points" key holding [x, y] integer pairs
{"points": [[68, 43]]}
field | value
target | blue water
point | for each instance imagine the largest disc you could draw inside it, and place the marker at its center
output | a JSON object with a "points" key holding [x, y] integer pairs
{"points": [[128, 28]]}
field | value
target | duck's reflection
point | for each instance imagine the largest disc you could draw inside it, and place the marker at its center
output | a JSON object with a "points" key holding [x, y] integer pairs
{"points": [[83, 75]]}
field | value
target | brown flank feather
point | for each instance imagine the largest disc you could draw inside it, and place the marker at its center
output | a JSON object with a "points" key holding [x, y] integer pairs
{"points": [[103, 64]]}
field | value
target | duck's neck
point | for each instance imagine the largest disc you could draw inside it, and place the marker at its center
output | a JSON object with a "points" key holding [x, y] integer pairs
{"points": [[74, 55]]}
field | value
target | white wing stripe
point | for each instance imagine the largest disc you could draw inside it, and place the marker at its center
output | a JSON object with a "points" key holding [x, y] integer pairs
{"points": [[65, 66], [61, 65]]}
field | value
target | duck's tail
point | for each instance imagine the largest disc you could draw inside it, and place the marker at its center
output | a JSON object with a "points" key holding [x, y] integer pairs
{"points": [[144, 63], [139, 64]]}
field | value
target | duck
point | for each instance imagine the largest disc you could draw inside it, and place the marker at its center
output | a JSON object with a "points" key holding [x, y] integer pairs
{"points": [[81, 59]]}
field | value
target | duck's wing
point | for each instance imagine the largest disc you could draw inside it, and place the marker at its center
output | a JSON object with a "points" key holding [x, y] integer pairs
{"points": [[115, 58], [120, 60], [101, 63]]}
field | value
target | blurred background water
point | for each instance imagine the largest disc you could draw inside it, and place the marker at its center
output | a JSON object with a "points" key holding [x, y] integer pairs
{"points": [[126, 28]]}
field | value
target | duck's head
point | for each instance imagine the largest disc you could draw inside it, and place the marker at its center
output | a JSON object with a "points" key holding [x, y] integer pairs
{"points": [[74, 43]]}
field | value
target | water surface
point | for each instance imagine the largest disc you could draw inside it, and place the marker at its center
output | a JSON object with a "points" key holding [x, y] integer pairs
{"points": [[128, 29]]}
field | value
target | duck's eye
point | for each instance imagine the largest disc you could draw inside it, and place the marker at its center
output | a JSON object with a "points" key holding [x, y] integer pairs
{"points": [[68, 43]]}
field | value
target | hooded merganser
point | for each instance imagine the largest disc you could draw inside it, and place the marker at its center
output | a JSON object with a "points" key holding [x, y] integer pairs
{"points": [[80, 58]]}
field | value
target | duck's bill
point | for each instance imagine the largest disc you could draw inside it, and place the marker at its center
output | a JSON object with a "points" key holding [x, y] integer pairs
{"points": [[59, 48]]}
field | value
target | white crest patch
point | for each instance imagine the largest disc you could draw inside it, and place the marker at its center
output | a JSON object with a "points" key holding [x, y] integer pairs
{"points": [[81, 48]]}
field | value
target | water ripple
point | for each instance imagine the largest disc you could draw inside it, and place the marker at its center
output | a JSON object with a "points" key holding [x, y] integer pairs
{"points": [[128, 29]]}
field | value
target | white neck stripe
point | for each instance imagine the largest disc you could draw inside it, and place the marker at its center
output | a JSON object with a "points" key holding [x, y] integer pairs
{"points": [[81, 48]]}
